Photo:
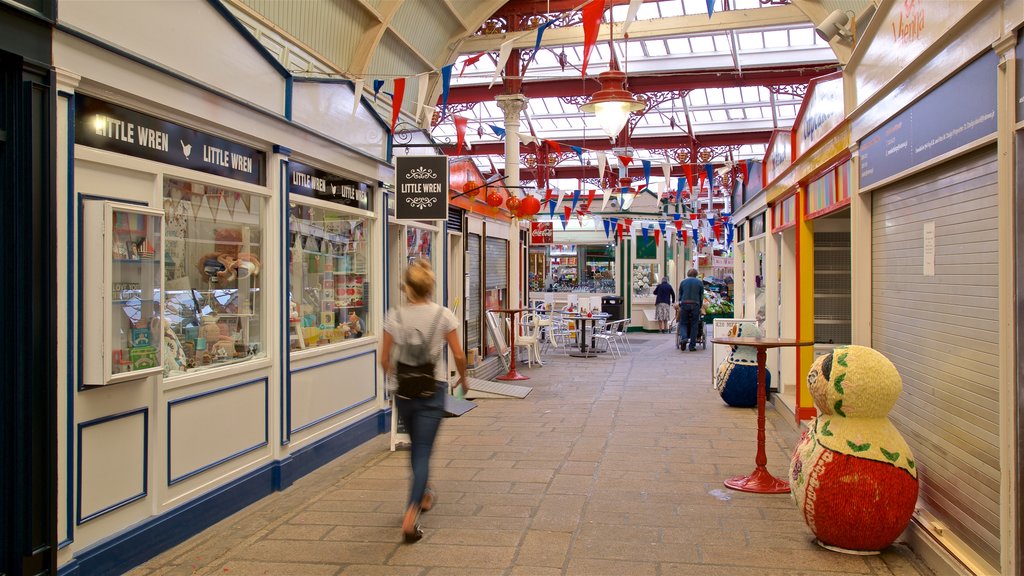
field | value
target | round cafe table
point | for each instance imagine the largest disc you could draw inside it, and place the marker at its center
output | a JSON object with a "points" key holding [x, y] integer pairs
{"points": [[760, 481], [581, 321], [512, 374]]}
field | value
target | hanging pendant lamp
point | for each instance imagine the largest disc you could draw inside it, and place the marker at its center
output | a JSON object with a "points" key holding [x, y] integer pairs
{"points": [[612, 104]]}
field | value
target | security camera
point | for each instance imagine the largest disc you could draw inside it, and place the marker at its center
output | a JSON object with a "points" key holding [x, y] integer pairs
{"points": [[835, 25]]}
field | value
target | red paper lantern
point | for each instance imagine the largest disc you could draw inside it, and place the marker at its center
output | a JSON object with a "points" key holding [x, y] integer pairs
{"points": [[513, 205], [494, 199], [529, 206]]}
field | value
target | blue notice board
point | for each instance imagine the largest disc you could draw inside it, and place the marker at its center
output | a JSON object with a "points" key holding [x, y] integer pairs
{"points": [[959, 111]]}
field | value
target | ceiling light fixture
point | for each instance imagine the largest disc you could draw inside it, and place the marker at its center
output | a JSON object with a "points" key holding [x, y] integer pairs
{"points": [[612, 104]]}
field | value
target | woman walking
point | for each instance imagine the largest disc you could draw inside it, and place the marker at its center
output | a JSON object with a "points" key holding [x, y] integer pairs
{"points": [[665, 296], [419, 325]]}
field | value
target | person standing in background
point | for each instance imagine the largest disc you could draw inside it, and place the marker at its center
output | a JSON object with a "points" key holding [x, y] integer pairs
{"points": [[422, 415], [691, 297], [665, 296]]}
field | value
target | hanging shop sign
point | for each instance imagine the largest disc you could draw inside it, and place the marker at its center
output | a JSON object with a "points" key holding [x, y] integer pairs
{"points": [[542, 232], [721, 261], [110, 127], [421, 188], [932, 126], [822, 111], [308, 181]]}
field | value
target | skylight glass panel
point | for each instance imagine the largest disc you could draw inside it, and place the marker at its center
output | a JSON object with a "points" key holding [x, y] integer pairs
{"points": [[750, 41], [678, 46], [750, 93], [719, 115], [697, 97], [655, 48], [544, 58], [732, 95], [776, 39], [701, 116], [722, 43], [700, 6], [766, 111], [669, 8], [714, 96], [802, 37], [633, 50], [787, 111], [702, 44]]}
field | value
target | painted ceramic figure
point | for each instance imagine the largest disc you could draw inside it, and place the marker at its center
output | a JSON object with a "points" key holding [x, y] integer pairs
{"points": [[853, 474], [736, 378]]}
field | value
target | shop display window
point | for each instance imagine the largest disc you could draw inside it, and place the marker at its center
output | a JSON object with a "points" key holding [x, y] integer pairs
{"points": [[329, 294], [645, 277], [580, 268], [419, 243], [213, 257]]}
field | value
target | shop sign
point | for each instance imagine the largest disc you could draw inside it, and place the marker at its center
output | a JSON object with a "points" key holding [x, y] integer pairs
{"points": [[110, 127], [721, 262], [541, 232], [779, 156], [822, 111], [1020, 80], [757, 224], [941, 121], [907, 28], [421, 188], [305, 180]]}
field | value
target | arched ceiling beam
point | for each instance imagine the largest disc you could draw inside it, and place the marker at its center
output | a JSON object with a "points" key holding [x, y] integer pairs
{"points": [[652, 83], [385, 12], [774, 17], [650, 142]]}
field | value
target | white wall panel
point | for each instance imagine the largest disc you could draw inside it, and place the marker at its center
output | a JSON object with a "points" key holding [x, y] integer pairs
{"points": [[187, 36], [210, 428], [325, 388], [113, 454], [327, 108], [941, 332]]}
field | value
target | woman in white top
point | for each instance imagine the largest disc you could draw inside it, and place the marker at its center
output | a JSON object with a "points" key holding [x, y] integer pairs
{"points": [[421, 415]]}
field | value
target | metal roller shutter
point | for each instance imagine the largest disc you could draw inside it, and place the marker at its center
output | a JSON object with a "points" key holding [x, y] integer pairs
{"points": [[473, 291], [497, 264], [941, 333]]}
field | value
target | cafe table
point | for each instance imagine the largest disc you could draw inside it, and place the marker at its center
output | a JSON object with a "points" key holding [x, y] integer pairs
{"points": [[582, 320], [512, 373], [760, 481]]}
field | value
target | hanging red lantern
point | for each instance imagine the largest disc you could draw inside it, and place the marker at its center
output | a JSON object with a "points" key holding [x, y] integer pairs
{"points": [[529, 206], [473, 188], [494, 199], [513, 205]]}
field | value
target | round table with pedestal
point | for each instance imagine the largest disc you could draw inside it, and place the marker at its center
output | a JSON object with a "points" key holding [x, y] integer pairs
{"points": [[760, 481]]}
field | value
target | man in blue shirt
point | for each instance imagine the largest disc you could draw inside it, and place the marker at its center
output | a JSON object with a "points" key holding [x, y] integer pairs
{"points": [[691, 297]]}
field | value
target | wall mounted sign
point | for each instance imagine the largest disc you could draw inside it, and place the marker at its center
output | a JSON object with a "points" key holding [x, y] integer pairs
{"points": [[907, 28], [822, 111], [779, 155], [931, 126], [1020, 80], [541, 232], [305, 180], [421, 188], [757, 224], [107, 126]]}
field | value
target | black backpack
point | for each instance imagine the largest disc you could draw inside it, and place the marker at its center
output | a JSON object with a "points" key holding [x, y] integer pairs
{"points": [[414, 370]]}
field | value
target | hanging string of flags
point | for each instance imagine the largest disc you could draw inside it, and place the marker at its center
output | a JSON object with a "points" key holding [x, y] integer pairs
{"points": [[592, 11]]}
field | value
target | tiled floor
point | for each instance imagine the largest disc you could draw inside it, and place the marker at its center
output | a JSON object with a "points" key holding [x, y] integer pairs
{"points": [[608, 467]]}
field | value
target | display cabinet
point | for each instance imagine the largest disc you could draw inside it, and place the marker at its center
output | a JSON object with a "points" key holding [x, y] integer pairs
{"points": [[121, 283]]}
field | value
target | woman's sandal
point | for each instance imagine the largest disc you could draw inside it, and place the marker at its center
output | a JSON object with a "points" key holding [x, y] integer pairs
{"points": [[416, 534], [428, 500]]}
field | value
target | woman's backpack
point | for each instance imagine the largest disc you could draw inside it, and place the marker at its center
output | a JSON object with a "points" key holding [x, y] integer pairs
{"points": [[414, 370]]}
